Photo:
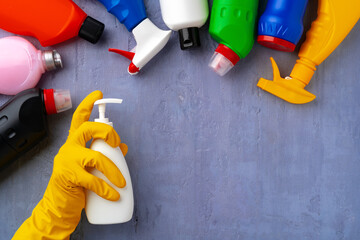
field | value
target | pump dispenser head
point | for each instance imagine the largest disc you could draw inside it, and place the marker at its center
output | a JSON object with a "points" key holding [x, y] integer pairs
{"points": [[102, 107]]}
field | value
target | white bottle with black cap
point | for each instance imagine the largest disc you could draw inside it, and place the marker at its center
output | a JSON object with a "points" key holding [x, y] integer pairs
{"points": [[185, 16], [99, 210]]}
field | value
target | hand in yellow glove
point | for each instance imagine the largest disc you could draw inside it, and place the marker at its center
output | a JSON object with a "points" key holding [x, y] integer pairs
{"points": [[58, 213]]}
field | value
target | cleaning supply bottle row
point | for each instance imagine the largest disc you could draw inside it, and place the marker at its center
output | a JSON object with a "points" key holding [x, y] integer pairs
{"points": [[232, 25]]}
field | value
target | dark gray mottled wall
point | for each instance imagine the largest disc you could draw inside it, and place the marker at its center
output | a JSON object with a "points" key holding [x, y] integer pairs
{"points": [[210, 157]]}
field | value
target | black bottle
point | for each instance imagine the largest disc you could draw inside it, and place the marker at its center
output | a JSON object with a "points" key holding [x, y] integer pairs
{"points": [[23, 121]]}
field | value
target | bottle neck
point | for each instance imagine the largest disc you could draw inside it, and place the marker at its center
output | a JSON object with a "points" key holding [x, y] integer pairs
{"points": [[303, 70], [189, 38], [51, 60], [104, 120], [228, 53]]}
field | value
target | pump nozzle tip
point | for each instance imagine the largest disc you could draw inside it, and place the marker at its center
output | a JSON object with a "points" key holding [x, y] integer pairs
{"points": [[132, 69]]}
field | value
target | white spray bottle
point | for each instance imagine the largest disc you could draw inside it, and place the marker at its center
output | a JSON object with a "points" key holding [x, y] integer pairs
{"points": [[185, 16], [99, 210]]}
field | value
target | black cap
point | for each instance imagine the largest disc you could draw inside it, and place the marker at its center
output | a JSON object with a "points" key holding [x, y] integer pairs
{"points": [[189, 37], [91, 30]]}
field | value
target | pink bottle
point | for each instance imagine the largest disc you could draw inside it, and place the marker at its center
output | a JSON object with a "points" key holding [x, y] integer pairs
{"points": [[21, 64]]}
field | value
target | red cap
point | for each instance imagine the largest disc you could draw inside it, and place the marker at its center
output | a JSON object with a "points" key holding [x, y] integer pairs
{"points": [[228, 53], [276, 43], [49, 101]]}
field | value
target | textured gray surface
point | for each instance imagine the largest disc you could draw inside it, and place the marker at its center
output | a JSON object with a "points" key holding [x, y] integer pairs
{"points": [[210, 157]]}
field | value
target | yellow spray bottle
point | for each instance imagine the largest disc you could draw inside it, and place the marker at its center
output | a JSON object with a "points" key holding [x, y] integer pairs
{"points": [[335, 20]]}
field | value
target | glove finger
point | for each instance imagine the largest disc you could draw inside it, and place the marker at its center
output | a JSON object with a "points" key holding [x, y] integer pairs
{"points": [[97, 185], [83, 111], [94, 130], [99, 161], [124, 148]]}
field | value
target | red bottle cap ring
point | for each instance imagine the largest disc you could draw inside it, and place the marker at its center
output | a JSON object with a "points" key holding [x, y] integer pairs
{"points": [[228, 53], [49, 101], [276, 43]]}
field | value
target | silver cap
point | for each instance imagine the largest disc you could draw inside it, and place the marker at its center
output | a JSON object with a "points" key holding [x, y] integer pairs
{"points": [[52, 60]]}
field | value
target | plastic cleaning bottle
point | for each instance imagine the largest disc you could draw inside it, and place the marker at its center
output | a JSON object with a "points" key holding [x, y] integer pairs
{"points": [[21, 64], [335, 20], [232, 25], [23, 120], [99, 210], [281, 25], [149, 38], [51, 22], [185, 16]]}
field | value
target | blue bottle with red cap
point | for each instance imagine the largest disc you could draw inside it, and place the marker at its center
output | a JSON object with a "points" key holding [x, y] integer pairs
{"points": [[281, 25]]}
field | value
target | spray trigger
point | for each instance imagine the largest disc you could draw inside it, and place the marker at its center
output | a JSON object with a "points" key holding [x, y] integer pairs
{"points": [[288, 89], [132, 69], [128, 55]]}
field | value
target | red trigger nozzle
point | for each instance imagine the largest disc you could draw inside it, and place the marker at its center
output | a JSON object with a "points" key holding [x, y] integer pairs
{"points": [[128, 55]]}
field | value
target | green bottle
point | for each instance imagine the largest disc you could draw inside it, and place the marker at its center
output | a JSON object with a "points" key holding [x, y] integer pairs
{"points": [[232, 25]]}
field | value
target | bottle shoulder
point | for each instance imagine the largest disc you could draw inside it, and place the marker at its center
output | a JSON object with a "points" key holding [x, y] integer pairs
{"points": [[184, 14]]}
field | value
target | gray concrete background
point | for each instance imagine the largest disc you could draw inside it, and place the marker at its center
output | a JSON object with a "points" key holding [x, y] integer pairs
{"points": [[210, 157]]}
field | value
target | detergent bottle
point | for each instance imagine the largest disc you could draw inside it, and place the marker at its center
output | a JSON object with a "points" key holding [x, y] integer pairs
{"points": [[186, 17], [232, 25], [21, 64], [99, 210], [149, 38], [281, 25], [23, 120], [51, 22], [335, 20]]}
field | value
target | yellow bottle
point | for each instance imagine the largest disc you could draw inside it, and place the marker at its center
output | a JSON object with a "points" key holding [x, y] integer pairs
{"points": [[335, 20]]}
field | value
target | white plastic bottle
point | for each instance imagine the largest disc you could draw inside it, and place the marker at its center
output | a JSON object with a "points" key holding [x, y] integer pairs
{"points": [[185, 16], [99, 210]]}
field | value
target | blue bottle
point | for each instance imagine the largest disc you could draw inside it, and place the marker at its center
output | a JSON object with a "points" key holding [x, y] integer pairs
{"points": [[281, 25], [130, 13], [149, 38]]}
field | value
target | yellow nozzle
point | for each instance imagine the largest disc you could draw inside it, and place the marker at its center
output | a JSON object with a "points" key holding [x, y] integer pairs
{"points": [[290, 90]]}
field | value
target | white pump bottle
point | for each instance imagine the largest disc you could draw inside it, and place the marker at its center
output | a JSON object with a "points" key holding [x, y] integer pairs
{"points": [[99, 210], [185, 16]]}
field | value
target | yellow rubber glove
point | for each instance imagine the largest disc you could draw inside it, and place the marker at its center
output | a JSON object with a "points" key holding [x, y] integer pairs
{"points": [[58, 213]]}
